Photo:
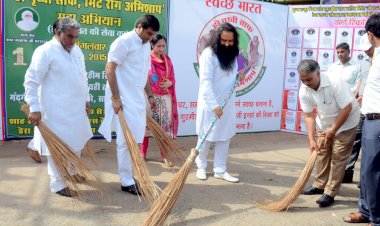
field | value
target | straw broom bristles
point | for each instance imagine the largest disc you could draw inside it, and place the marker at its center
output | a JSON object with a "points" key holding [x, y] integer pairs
{"points": [[144, 181], [295, 191], [68, 163], [90, 154], [164, 204], [166, 143]]}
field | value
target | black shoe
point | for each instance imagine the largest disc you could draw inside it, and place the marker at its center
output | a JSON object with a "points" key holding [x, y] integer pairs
{"points": [[313, 191], [67, 192], [325, 200], [348, 175], [133, 189]]}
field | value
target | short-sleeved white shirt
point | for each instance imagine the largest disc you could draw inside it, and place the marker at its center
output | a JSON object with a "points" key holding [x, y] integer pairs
{"points": [[371, 95], [349, 72], [331, 96], [365, 65]]}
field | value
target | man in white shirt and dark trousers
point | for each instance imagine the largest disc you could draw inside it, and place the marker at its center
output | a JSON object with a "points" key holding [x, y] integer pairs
{"points": [[364, 67], [337, 118], [369, 200]]}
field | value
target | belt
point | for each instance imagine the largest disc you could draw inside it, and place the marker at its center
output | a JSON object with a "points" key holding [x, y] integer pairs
{"points": [[373, 116]]}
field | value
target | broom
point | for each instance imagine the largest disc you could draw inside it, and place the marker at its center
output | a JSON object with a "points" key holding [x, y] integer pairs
{"points": [[164, 204], [68, 163], [295, 191], [90, 154], [166, 143], [144, 181]]}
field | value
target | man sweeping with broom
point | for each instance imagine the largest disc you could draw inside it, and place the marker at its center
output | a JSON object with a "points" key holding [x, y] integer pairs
{"points": [[58, 69], [337, 117], [127, 75], [217, 74]]}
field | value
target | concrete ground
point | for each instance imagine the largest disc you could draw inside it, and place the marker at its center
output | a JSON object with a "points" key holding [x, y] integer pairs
{"points": [[267, 164]]}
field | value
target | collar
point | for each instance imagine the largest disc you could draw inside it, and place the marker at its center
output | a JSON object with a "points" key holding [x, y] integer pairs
{"points": [[350, 62], [324, 82], [137, 37]]}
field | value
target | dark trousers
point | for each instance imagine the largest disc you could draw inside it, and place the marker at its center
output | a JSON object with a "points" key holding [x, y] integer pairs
{"points": [[356, 149], [369, 201]]}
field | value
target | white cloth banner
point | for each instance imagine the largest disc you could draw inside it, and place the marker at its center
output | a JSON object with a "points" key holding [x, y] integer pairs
{"points": [[259, 95]]}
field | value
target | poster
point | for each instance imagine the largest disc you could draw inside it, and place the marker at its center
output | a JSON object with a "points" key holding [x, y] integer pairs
{"points": [[28, 24], [324, 27], [259, 95]]}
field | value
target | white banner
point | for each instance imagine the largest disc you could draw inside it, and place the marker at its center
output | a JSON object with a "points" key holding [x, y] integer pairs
{"points": [[262, 34]]}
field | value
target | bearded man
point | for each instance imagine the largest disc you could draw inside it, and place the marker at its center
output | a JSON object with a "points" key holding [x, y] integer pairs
{"points": [[27, 22], [217, 74]]}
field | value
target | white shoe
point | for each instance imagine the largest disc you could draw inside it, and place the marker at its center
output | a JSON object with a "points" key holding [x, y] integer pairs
{"points": [[201, 174], [226, 176]]}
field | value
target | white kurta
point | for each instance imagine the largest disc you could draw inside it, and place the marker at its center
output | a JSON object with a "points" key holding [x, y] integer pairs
{"points": [[133, 63], [214, 86], [62, 79]]}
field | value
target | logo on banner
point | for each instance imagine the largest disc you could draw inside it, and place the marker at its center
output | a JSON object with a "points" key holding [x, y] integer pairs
{"points": [[251, 45]]}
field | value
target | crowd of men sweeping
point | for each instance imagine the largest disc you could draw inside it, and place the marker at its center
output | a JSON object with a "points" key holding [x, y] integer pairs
{"points": [[341, 110]]}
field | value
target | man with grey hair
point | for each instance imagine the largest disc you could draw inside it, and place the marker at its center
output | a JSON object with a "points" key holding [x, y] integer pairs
{"points": [[336, 121], [58, 70], [31, 148]]}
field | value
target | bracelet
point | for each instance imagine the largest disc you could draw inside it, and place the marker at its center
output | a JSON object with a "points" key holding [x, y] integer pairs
{"points": [[115, 98]]}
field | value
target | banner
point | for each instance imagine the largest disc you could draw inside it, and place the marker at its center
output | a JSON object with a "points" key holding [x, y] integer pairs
{"points": [[28, 24], [313, 33], [258, 104]]}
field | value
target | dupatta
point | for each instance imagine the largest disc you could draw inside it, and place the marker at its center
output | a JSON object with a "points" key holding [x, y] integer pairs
{"points": [[159, 72]]}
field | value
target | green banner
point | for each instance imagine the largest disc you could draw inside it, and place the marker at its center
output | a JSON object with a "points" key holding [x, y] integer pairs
{"points": [[28, 24]]}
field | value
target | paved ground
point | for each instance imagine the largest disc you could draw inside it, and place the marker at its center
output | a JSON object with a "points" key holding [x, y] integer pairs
{"points": [[267, 164]]}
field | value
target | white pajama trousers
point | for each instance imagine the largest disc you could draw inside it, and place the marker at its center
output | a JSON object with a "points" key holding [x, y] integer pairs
{"points": [[57, 182], [220, 155], [123, 159]]}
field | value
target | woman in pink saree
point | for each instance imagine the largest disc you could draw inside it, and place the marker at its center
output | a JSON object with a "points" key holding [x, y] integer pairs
{"points": [[162, 80]]}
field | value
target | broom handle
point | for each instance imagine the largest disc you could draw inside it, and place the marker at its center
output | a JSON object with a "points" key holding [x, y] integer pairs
{"points": [[204, 136]]}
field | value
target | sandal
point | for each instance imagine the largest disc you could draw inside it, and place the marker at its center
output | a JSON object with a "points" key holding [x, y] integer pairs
{"points": [[355, 218]]}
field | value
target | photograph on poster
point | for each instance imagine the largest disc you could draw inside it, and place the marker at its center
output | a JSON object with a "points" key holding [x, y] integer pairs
{"points": [[26, 19], [325, 58], [288, 121], [291, 79], [293, 57], [358, 56], [358, 33], [327, 38], [344, 35], [292, 100], [309, 54], [294, 37], [310, 37]]}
